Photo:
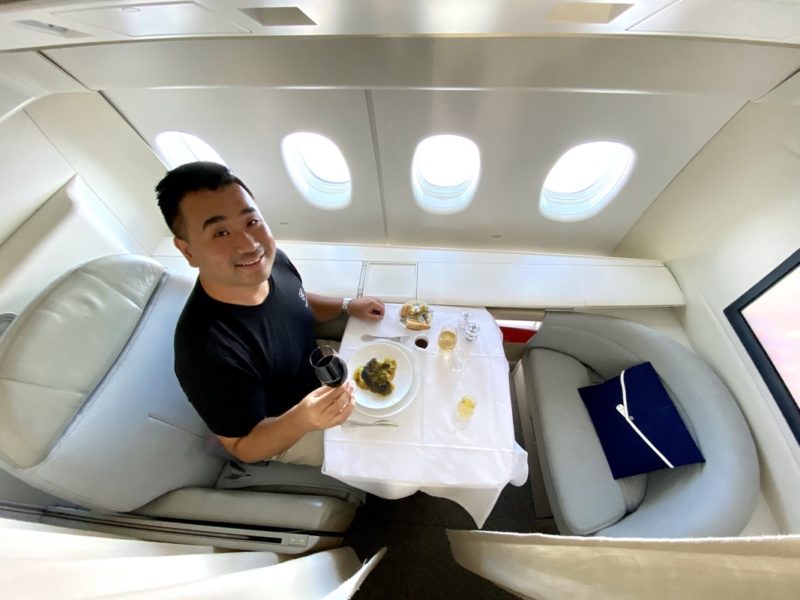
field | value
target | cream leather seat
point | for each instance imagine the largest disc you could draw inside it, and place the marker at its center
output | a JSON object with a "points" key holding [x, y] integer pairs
{"points": [[91, 412], [572, 350]]}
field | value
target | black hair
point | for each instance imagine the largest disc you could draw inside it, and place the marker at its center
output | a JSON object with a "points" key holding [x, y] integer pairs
{"points": [[191, 177]]}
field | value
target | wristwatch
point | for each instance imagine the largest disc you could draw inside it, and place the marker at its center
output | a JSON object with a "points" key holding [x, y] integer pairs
{"points": [[345, 304]]}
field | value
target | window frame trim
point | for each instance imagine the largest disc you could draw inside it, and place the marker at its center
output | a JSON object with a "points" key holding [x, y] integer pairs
{"points": [[789, 407]]}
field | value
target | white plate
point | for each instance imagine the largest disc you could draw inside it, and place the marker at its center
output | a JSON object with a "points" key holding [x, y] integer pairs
{"points": [[403, 377]]}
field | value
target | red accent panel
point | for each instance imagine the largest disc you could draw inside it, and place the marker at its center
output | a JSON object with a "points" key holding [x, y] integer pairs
{"points": [[516, 335]]}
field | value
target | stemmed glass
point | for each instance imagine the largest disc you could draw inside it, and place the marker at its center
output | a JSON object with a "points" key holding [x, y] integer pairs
{"points": [[329, 367]]}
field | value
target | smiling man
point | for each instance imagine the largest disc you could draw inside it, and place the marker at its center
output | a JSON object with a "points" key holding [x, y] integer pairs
{"points": [[243, 341]]}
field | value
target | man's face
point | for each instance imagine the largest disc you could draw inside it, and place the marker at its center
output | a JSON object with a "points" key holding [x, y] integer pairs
{"points": [[226, 238]]}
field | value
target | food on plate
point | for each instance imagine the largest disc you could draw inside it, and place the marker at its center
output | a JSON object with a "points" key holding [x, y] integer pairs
{"points": [[376, 376], [416, 325], [416, 315]]}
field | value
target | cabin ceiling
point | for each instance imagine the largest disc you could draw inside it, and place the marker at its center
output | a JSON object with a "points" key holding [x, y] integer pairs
{"points": [[43, 23], [525, 80]]}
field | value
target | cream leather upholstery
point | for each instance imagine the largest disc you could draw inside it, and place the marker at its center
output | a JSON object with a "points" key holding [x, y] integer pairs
{"points": [[716, 498], [91, 411], [89, 408], [61, 347]]}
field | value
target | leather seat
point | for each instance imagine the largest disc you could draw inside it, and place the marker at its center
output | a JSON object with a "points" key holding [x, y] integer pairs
{"points": [[572, 350], [91, 411]]}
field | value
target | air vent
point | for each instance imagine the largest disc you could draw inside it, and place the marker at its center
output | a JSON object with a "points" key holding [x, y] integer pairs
{"points": [[590, 13], [58, 30], [278, 16]]}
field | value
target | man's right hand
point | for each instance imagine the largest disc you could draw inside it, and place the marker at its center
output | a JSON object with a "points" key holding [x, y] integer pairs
{"points": [[323, 408], [327, 407]]}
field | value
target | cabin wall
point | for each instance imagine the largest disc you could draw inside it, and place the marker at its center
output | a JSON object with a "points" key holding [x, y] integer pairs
{"points": [[110, 156], [33, 170], [71, 228], [728, 219], [78, 185]]}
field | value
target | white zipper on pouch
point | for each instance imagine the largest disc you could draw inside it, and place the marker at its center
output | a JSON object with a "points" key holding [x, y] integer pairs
{"points": [[623, 410]]}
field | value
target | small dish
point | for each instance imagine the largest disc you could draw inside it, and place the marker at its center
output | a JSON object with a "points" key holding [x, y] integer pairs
{"points": [[416, 315]]}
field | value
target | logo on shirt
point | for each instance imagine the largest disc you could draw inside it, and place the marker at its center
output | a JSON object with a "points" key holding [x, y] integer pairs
{"points": [[302, 295]]}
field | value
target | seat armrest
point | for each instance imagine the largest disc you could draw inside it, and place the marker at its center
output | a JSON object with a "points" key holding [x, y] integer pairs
{"points": [[263, 509], [275, 476]]}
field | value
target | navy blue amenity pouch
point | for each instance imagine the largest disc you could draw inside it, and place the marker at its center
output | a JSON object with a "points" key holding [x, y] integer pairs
{"points": [[644, 434]]}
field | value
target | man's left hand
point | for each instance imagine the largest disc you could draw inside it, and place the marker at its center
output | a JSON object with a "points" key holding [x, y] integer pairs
{"points": [[367, 307]]}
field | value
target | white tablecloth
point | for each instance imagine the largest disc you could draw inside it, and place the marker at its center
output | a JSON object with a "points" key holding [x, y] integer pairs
{"points": [[426, 452]]}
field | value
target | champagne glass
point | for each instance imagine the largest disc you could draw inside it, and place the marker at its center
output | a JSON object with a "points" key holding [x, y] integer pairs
{"points": [[329, 367], [447, 338], [464, 411]]}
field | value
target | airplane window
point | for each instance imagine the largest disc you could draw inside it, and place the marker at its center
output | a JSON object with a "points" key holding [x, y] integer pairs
{"points": [[318, 169], [178, 148], [444, 173], [767, 320], [584, 180]]}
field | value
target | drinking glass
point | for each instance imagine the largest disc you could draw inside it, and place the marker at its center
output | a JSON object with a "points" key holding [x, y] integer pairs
{"points": [[447, 338], [464, 411], [329, 367]]}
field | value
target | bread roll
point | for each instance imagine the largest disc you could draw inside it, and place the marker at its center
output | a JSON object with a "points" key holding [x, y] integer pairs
{"points": [[416, 325]]}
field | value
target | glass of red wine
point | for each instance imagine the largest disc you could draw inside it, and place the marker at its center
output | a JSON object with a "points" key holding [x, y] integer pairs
{"points": [[329, 367]]}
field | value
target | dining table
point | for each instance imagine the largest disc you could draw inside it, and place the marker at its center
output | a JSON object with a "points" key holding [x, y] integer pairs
{"points": [[432, 449]]}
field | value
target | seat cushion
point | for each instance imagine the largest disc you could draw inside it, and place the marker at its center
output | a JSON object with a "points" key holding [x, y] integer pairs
{"points": [[637, 423], [583, 493]]}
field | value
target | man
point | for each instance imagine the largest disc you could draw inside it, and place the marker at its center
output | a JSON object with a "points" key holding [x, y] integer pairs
{"points": [[243, 341]]}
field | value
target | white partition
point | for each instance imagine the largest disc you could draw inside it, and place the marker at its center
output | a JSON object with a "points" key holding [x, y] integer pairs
{"points": [[475, 278], [500, 284], [57, 563], [501, 279]]}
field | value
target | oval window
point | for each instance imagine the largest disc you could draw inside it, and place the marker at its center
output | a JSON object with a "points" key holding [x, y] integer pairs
{"points": [[444, 173], [584, 180], [318, 169], [178, 148]]}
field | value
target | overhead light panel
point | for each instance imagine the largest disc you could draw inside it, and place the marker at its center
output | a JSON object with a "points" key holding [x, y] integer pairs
{"points": [[278, 16], [161, 19], [589, 13]]}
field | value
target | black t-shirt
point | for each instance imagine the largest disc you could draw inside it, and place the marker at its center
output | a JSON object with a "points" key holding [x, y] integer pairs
{"points": [[239, 364]]}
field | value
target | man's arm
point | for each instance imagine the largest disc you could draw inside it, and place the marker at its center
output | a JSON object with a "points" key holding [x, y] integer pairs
{"points": [[323, 408], [326, 308]]}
